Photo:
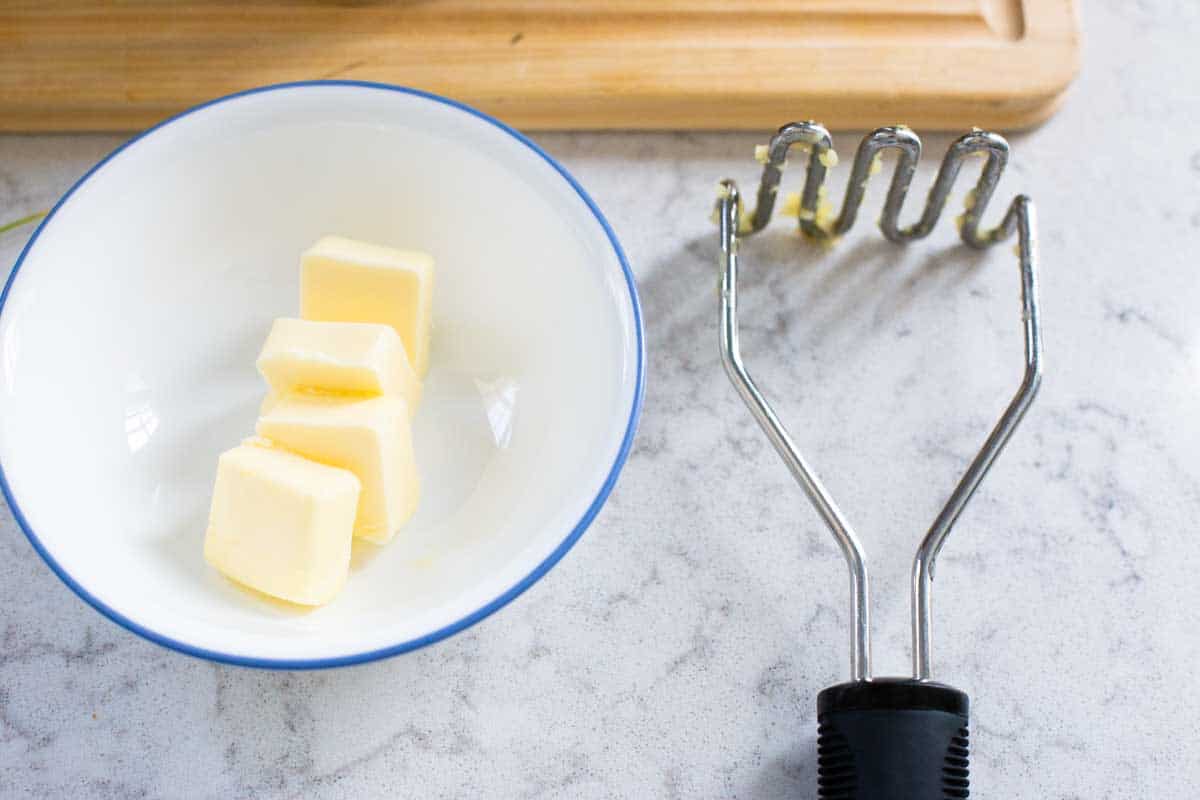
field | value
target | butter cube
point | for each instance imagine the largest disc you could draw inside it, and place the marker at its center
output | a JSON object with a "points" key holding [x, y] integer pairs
{"points": [[281, 524], [349, 357], [343, 280], [370, 437]]}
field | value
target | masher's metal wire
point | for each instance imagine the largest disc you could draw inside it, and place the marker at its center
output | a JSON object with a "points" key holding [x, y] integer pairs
{"points": [[1020, 217], [860, 641]]}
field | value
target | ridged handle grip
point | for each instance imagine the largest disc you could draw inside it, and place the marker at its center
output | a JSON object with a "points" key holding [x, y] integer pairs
{"points": [[892, 739]]}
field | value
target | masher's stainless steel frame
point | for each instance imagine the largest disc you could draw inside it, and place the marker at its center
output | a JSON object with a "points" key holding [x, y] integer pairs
{"points": [[1019, 217]]}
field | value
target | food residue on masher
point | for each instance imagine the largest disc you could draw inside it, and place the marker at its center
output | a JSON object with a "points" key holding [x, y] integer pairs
{"points": [[791, 205], [825, 214]]}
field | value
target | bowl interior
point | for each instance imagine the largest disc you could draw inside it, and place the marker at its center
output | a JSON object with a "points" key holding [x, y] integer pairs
{"points": [[129, 333]]}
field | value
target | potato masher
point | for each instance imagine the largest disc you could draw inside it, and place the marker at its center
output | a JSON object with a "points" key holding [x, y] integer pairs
{"points": [[884, 738]]}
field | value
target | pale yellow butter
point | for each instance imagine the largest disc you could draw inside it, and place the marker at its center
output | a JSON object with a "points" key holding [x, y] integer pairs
{"points": [[343, 280], [282, 524], [371, 437], [348, 357]]}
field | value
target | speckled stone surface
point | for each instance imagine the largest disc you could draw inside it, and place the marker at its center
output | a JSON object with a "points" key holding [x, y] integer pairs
{"points": [[678, 649]]}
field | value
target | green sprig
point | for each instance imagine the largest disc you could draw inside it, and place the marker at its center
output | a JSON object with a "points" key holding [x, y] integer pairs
{"points": [[16, 223]]}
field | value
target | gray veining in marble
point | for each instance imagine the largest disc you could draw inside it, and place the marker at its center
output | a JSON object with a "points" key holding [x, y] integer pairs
{"points": [[677, 651]]}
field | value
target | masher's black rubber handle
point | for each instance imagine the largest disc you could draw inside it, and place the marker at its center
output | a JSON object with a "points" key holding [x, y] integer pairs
{"points": [[892, 739]]}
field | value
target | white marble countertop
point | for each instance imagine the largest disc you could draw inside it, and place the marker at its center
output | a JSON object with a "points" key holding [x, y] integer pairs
{"points": [[678, 650]]}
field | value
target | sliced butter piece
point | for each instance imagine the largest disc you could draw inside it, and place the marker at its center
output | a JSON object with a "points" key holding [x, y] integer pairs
{"points": [[343, 280], [282, 524], [370, 437], [349, 357]]}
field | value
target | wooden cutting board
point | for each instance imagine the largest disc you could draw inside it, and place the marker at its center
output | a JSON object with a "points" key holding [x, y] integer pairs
{"points": [[709, 64]]}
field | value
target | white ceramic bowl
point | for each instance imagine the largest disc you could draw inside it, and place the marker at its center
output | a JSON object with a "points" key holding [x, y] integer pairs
{"points": [[130, 325]]}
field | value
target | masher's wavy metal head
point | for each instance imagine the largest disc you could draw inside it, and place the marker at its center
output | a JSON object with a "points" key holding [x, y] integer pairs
{"points": [[884, 738]]}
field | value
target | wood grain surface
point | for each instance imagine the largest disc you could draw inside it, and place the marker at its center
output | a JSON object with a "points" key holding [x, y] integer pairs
{"points": [[538, 64]]}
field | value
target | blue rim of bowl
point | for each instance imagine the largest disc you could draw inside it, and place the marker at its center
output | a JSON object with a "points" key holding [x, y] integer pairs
{"points": [[487, 609]]}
